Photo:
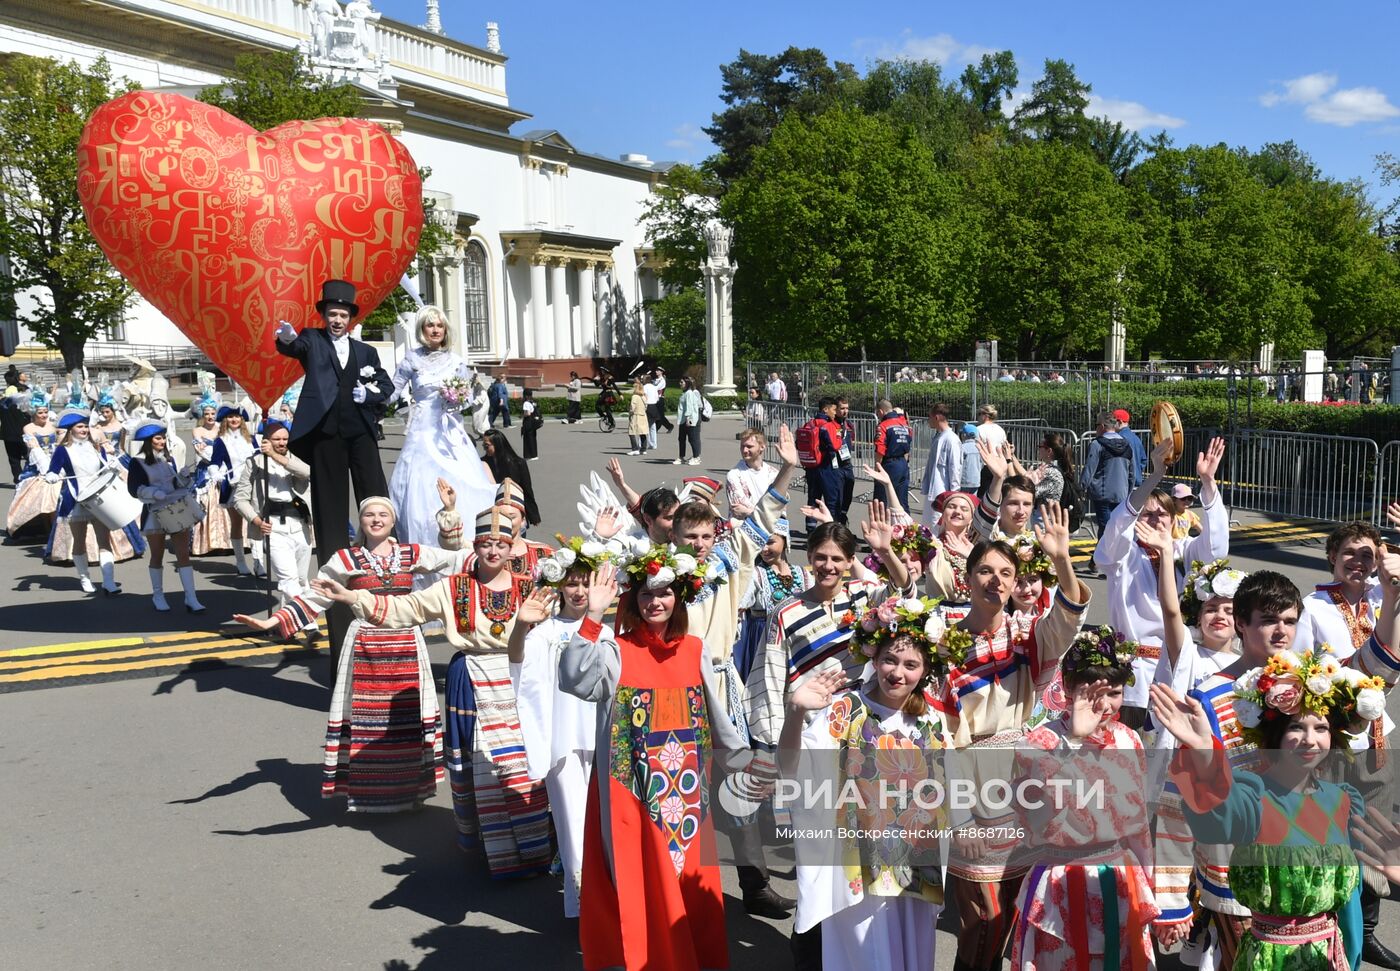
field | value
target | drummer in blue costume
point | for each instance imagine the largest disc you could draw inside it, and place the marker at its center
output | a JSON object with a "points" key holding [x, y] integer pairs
{"points": [[79, 463], [156, 481]]}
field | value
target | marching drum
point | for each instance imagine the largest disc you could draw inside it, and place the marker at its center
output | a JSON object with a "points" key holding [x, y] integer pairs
{"points": [[1166, 425], [107, 500], [179, 515]]}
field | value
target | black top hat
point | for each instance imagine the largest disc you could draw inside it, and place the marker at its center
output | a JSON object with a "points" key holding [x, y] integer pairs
{"points": [[338, 291]]}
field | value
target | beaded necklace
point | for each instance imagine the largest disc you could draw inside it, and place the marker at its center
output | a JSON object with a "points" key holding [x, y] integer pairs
{"points": [[782, 589], [383, 567]]}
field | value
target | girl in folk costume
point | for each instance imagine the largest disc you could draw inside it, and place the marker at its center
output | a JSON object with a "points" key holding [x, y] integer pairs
{"points": [[212, 532], [877, 902], [79, 460], [651, 895], [956, 537], [35, 494], [384, 731], [1003, 665], [524, 556], [774, 581], [156, 481], [492, 792], [1087, 902], [1292, 864], [233, 448], [558, 727], [436, 442]]}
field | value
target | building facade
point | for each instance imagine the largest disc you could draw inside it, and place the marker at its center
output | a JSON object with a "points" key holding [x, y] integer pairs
{"points": [[547, 268]]}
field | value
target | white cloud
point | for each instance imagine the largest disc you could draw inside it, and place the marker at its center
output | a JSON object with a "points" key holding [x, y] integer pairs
{"points": [[943, 49], [1322, 104], [687, 136], [1301, 91], [1346, 108], [1133, 115]]}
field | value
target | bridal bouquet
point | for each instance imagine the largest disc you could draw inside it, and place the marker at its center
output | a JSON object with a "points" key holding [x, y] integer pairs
{"points": [[458, 393]]}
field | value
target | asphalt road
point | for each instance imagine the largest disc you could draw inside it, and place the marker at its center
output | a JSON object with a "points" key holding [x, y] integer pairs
{"points": [[161, 783]]}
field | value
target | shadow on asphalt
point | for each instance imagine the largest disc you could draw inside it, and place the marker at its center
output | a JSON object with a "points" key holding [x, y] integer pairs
{"points": [[260, 681]]}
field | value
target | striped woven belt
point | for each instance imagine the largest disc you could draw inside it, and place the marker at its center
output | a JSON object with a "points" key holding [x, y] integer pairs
{"points": [[1149, 652], [1294, 930]]}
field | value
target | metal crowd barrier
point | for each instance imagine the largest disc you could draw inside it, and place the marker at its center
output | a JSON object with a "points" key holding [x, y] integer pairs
{"points": [[1387, 482]]}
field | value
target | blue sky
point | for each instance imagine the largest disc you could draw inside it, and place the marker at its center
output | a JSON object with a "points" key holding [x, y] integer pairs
{"points": [[645, 78]]}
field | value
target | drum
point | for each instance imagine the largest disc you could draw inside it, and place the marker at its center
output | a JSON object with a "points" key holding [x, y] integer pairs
{"points": [[108, 502], [1166, 426], [179, 515]]}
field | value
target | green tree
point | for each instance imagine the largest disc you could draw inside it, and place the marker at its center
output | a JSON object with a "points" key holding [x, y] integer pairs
{"points": [[71, 290], [1223, 273], [1058, 246], [679, 317], [987, 84], [760, 90], [1054, 110], [1115, 147], [913, 95], [849, 241], [266, 90]]}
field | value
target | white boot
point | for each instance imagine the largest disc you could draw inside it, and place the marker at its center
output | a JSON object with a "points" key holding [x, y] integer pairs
{"points": [[187, 581], [259, 568], [80, 564], [108, 562], [239, 557], [158, 588]]}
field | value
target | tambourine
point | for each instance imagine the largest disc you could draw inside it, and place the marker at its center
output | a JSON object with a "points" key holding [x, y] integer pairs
{"points": [[1166, 426]]}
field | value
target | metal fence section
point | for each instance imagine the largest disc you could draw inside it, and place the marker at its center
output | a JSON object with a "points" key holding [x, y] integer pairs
{"points": [[1302, 476], [1387, 482]]}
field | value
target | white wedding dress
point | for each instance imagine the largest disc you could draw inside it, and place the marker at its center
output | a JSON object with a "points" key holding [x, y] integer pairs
{"points": [[436, 444]]}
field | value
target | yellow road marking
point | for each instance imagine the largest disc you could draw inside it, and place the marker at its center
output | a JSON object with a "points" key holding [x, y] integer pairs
{"points": [[17, 664], [56, 673], [78, 647]]}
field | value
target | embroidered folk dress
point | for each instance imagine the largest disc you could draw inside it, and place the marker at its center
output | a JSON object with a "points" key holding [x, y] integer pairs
{"points": [[1292, 867], [878, 908], [384, 729], [766, 591], [987, 701], [1087, 901], [492, 792], [651, 898], [1212, 865]]}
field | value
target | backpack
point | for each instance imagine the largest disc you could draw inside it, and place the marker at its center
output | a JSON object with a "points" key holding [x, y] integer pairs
{"points": [[808, 441], [897, 438], [707, 410], [1073, 503]]}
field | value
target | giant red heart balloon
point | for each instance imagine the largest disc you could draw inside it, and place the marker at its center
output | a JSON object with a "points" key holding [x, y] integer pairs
{"points": [[227, 230]]}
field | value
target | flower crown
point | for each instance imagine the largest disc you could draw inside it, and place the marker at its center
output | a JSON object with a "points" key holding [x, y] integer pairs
{"points": [[1289, 684], [1207, 580], [1100, 647], [1031, 558], [916, 618], [661, 566], [577, 553], [912, 537]]}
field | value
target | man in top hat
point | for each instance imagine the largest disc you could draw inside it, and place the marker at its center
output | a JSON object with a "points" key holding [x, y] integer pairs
{"points": [[333, 430]]}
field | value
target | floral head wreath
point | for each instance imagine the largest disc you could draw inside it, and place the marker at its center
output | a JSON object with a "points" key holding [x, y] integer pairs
{"points": [[1100, 647], [914, 538], [577, 553], [1205, 581], [1316, 682], [661, 567], [916, 618], [1031, 558]]}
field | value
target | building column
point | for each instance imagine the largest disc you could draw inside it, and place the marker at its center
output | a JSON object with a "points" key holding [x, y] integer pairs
{"points": [[539, 310], [587, 309], [605, 313], [559, 299]]}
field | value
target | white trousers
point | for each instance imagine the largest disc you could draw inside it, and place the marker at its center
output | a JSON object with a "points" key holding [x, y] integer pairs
{"points": [[290, 548]]}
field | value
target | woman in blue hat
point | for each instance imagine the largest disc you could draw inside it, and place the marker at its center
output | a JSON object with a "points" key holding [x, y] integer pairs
{"points": [[233, 448], [77, 462], [156, 481]]}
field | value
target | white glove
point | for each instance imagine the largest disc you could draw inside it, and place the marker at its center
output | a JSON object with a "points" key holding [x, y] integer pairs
{"points": [[158, 495], [285, 332], [359, 394], [51, 477]]}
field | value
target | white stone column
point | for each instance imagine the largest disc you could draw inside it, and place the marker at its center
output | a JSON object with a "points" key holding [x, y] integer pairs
{"points": [[588, 309], [605, 314], [719, 310], [539, 310], [559, 300]]}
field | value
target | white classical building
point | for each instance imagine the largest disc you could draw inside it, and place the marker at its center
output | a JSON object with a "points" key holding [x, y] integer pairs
{"points": [[548, 267]]}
